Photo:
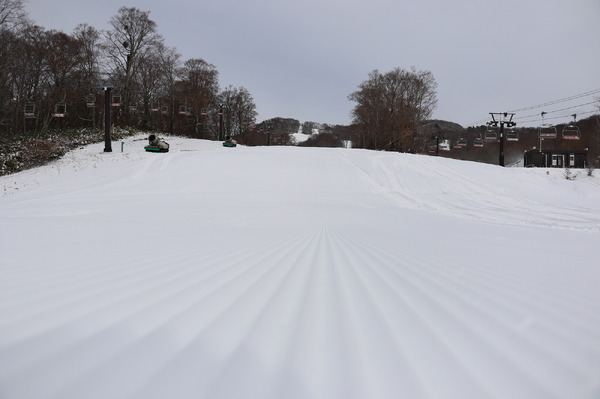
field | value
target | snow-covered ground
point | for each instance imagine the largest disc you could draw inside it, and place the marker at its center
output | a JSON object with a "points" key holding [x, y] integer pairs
{"points": [[284, 272], [300, 137]]}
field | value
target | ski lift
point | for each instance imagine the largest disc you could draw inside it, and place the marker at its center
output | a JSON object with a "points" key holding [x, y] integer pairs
{"points": [[29, 110], [155, 107], [512, 135], [571, 131], [478, 142], [184, 110], [462, 142], [90, 100], [546, 130], [116, 100], [60, 110], [444, 145], [491, 133]]}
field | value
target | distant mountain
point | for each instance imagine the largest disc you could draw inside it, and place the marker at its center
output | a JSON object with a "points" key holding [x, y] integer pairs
{"points": [[436, 126], [280, 125]]}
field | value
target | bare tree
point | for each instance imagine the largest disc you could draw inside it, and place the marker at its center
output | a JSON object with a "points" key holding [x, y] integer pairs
{"points": [[169, 66], [89, 39], [369, 114], [239, 111], [149, 90], [88, 77], [62, 60], [133, 35], [28, 76], [390, 106], [12, 13], [200, 88]]}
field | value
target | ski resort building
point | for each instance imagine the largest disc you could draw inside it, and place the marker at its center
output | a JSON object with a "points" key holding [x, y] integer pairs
{"points": [[555, 159]]}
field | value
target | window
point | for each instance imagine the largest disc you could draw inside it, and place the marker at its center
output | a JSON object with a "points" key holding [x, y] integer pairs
{"points": [[557, 160]]}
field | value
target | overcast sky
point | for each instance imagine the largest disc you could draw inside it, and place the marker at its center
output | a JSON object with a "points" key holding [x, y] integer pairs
{"points": [[302, 58]]}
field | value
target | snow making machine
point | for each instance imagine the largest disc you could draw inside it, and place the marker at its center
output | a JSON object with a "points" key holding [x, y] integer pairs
{"points": [[156, 144], [229, 142]]}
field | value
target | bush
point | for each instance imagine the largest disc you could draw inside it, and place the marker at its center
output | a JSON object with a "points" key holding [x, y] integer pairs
{"points": [[20, 153], [570, 175]]}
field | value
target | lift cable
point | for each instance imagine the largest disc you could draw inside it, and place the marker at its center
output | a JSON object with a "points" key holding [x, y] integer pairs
{"points": [[546, 104], [560, 117], [557, 110], [573, 97]]}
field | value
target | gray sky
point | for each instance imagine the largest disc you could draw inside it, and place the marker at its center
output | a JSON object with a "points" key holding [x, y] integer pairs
{"points": [[302, 58]]}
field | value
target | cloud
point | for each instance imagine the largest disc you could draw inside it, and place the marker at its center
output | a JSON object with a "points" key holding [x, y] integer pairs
{"points": [[302, 58]]}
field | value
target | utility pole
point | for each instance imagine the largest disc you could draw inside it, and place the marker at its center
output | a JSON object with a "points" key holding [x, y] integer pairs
{"points": [[502, 121], [437, 140], [107, 119], [220, 123]]}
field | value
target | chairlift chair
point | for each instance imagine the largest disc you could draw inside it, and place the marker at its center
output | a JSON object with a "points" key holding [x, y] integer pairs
{"points": [[60, 110], [184, 110], [491, 134], [571, 131], [546, 130], [29, 110], [90, 100], [444, 145], [512, 135], [461, 142], [155, 107], [116, 100], [164, 109], [478, 142]]}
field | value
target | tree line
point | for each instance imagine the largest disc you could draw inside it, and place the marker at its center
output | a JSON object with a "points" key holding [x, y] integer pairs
{"points": [[51, 80]]}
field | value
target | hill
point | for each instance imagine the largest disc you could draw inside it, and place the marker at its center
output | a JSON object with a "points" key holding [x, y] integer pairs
{"points": [[286, 272]]}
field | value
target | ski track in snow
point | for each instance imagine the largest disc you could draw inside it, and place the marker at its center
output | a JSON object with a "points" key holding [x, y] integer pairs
{"points": [[296, 273]]}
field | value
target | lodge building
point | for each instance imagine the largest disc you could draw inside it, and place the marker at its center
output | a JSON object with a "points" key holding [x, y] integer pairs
{"points": [[555, 159]]}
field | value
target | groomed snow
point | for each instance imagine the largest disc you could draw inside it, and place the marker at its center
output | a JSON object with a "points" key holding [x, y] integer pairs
{"points": [[283, 272]]}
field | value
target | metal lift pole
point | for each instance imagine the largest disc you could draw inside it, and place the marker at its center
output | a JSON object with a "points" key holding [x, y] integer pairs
{"points": [[502, 121], [501, 152], [107, 119]]}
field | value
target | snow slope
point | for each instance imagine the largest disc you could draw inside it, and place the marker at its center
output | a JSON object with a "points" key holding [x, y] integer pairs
{"points": [[282, 272]]}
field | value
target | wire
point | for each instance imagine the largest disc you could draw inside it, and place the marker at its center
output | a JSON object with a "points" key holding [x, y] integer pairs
{"points": [[562, 100], [557, 110], [560, 117], [547, 104]]}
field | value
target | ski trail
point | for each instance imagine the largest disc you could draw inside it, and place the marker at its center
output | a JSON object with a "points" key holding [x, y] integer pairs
{"points": [[180, 296], [394, 180], [214, 308], [280, 272], [435, 296]]}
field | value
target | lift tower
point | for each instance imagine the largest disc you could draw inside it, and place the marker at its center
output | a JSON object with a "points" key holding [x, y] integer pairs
{"points": [[504, 119]]}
